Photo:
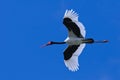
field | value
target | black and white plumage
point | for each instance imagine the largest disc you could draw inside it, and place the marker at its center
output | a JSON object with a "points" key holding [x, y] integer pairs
{"points": [[76, 32], [76, 40]]}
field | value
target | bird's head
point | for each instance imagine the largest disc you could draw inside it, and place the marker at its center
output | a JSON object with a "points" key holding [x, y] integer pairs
{"points": [[47, 44]]}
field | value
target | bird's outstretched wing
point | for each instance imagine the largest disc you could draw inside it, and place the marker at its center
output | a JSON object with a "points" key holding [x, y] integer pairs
{"points": [[70, 59], [75, 28], [69, 51]]}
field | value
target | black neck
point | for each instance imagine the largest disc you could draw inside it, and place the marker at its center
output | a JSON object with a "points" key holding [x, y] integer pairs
{"points": [[58, 42]]}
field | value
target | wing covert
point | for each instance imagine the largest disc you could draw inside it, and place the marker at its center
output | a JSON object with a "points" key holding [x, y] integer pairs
{"points": [[69, 51]]}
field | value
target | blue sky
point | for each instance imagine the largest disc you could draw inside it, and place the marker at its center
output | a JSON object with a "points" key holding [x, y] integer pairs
{"points": [[27, 24]]}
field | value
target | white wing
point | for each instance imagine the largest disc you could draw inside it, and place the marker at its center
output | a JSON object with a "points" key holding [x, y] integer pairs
{"points": [[73, 63], [74, 17]]}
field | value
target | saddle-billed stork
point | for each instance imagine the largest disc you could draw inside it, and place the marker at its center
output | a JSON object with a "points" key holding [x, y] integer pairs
{"points": [[76, 40]]}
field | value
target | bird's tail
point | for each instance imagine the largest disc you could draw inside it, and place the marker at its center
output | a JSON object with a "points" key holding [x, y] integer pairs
{"points": [[88, 40]]}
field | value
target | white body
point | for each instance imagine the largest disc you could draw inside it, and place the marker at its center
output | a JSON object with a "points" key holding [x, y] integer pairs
{"points": [[73, 41]]}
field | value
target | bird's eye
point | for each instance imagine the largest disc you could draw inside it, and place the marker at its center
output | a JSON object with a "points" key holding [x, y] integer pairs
{"points": [[49, 42]]}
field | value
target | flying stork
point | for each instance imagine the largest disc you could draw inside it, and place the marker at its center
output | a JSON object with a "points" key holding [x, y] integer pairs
{"points": [[76, 40]]}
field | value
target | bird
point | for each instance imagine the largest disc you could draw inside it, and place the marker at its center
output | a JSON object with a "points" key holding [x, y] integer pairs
{"points": [[75, 41]]}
